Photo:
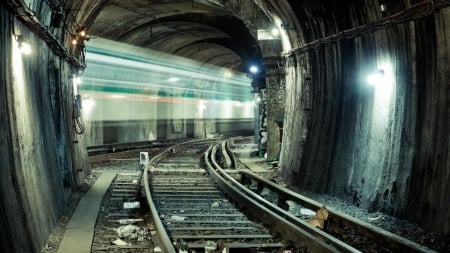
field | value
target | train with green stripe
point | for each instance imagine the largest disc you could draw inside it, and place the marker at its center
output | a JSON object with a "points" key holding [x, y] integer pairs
{"points": [[136, 94]]}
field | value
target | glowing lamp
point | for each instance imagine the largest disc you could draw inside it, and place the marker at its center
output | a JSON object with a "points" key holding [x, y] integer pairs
{"points": [[24, 46], [254, 69], [275, 32], [376, 78]]}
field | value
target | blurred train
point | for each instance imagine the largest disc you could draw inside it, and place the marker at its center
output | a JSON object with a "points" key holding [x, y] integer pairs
{"points": [[135, 94]]}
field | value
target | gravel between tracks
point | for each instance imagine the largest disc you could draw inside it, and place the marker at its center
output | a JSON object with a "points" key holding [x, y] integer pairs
{"points": [[401, 227]]}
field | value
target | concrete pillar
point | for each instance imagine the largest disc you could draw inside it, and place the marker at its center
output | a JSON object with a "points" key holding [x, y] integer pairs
{"points": [[272, 100], [276, 98]]}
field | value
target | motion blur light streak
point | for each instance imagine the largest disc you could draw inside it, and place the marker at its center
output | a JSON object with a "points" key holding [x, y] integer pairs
{"points": [[131, 83], [164, 66], [88, 104], [76, 81]]}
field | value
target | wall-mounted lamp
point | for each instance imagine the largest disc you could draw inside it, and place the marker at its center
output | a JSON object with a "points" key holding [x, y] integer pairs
{"points": [[254, 69], [81, 32], [376, 78], [79, 37], [73, 40], [24, 46], [275, 32]]}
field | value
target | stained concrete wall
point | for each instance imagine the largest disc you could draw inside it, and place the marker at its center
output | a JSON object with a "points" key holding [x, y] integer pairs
{"points": [[383, 148], [39, 157]]}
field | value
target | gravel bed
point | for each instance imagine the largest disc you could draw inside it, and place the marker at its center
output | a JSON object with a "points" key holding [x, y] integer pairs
{"points": [[433, 240], [121, 229]]}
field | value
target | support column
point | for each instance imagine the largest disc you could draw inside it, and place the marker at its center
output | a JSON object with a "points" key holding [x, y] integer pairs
{"points": [[276, 98]]}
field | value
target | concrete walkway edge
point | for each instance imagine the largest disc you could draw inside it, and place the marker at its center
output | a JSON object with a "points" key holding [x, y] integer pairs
{"points": [[80, 229]]}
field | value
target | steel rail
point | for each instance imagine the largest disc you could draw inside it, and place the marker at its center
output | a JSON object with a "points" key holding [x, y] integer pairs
{"points": [[230, 153], [293, 229], [166, 243], [119, 147], [337, 219]]}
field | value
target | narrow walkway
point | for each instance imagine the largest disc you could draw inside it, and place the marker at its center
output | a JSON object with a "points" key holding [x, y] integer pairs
{"points": [[80, 229]]}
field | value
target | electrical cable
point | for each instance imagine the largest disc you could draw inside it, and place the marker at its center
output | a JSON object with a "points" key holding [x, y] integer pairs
{"points": [[416, 11], [79, 126]]}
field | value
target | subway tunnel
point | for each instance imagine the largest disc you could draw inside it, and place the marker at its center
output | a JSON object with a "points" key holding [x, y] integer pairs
{"points": [[354, 94]]}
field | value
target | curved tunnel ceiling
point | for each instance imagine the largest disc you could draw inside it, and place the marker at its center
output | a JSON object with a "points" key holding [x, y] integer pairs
{"points": [[193, 29]]}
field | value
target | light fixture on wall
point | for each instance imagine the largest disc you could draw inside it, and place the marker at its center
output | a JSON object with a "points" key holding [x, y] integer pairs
{"points": [[254, 69], [82, 32], [78, 38], [275, 32], [376, 78], [73, 40], [24, 46]]}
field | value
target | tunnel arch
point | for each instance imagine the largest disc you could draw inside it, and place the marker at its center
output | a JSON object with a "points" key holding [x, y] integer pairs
{"points": [[394, 159]]}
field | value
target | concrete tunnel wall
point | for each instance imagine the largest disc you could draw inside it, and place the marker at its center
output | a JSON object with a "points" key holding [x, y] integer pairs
{"points": [[41, 158], [384, 149]]}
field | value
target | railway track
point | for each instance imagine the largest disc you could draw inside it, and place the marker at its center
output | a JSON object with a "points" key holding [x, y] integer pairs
{"points": [[195, 215], [363, 235], [129, 146], [199, 206]]}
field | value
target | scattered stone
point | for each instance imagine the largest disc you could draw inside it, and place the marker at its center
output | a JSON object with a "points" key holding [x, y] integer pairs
{"points": [[215, 204], [131, 205], [126, 231], [150, 226], [119, 242], [375, 218], [307, 212], [177, 218], [127, 221]]}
